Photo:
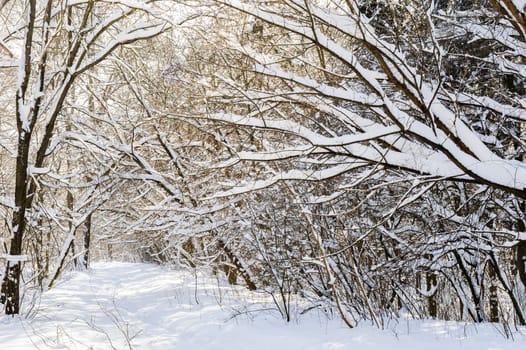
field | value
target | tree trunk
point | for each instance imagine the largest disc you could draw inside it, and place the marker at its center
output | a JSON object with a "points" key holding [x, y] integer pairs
{"points": [[431, 282], [520, 261], [235, 267], [520, 249], [474, 287], [10, 293], [25, 122], [86, 237], [508, 288], [493, 295]]}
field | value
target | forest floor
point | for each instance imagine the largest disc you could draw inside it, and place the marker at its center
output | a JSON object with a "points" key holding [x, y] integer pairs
{"points": [[140, 306]]}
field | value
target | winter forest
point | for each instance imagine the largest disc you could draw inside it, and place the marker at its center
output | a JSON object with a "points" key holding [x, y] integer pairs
{"points": [[367, 156]]}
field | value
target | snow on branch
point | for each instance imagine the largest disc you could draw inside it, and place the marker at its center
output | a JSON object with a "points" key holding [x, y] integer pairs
{"points": [[129, 36], [299, 175], [451, 147]]}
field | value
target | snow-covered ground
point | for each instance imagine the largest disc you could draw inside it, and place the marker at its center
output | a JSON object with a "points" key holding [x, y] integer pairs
{"points": [[139, 306]]}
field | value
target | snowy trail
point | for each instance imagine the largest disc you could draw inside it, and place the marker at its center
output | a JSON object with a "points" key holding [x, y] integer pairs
{"points": [[139, 306]]}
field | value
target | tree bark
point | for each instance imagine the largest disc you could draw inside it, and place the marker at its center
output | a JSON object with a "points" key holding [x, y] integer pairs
{"points": [[431, 282], [493, 295], [10, 293], [86, 237], [520, 261], [236, 267]]}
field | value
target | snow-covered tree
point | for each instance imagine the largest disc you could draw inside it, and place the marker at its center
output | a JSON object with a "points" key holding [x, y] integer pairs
{"points": [[419, 105], [57, 42]]}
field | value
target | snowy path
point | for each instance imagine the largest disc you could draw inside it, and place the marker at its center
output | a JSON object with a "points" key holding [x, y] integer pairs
{"points": [[138, 306]]}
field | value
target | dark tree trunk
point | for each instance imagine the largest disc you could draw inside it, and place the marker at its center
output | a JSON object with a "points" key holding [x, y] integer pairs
{"points": [[520, 249], [86, 233], [520, 261], [431, 282], [519, 313], [474, 287], [10, 293], [10, 289], [60, 266], [235, 267], [24, 191], [493, 295]]}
